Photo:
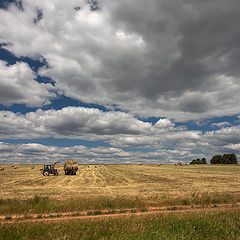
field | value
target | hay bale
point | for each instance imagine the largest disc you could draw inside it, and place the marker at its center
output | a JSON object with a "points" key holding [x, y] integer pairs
{"points": [[67, 162], [75, 167], [178, 164], [67, 167], [70, 167], [74, 161]]}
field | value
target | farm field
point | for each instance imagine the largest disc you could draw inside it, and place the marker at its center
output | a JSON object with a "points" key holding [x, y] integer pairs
{"points": [[143, 181], [103, 196], [146, 184]]}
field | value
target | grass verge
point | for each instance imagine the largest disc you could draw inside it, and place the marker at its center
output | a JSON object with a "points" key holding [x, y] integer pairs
{"points": [[41, 205], [206, 225]]}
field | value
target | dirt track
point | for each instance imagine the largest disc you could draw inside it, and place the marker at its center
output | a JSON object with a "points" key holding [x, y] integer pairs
{"points": [[7, 219]]}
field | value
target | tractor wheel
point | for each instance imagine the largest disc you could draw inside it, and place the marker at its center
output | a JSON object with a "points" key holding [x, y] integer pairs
{"points": [[45, 174]]}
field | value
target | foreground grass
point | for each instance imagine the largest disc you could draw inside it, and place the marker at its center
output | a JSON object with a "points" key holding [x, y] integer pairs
{"points": [[207, 225], [39, 204], [46, 205]]}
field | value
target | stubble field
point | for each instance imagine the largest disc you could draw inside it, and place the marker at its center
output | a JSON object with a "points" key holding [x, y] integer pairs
{"points": [[138, 192], [143, 181]]}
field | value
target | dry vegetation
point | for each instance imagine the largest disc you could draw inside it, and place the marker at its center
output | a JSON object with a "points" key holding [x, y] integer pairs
{"points": [[189, 201], [146, 182]]}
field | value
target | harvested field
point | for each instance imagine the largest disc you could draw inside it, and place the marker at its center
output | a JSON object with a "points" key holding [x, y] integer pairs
{"points": [[188, 198], [144, 181]]}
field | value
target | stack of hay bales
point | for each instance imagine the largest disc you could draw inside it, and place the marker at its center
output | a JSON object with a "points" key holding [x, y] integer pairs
{"points": [[178, 164], [70, 167]]}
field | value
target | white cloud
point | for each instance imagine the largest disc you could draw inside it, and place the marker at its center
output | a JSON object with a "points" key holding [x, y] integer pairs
{"points": [[17, 85], [79, 121], [158, 58], [39, 154], [120, 130], [152, 60], [221, 141], [221, 124], [71, 122], [164, 123], [234, 147], [117, 128]]}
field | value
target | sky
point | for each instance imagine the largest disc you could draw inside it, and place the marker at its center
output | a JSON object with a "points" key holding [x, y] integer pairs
{"points": [[125, 81]]}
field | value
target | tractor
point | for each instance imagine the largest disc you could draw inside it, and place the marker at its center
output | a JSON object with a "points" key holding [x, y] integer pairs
{"points": [[49, 169]]}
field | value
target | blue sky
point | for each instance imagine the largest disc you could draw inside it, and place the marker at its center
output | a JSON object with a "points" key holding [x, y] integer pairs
{"points": [[95, 81]]}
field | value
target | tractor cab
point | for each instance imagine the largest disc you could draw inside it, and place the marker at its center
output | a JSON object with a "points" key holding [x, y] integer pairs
{"points": [[49, 169]]}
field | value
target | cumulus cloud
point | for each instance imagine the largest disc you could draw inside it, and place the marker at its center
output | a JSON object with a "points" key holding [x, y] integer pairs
{"points": [[17, 85], [162, 141], [221, 124], [117, 128], [174, 59], [164, 123], [224, 140], [39, 154], [233, 148], [71, 122]]}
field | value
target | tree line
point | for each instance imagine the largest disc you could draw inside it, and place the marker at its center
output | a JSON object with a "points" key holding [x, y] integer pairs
{"points": [[229, 158], [199, 161]]}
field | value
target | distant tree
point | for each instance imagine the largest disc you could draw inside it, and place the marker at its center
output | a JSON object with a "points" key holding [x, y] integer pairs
{"points": [[194, 161], [232, 159], [198, 161], [216, 159], [224, 159], [204, 161]]}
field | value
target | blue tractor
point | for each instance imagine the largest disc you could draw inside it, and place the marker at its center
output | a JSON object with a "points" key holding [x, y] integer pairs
{"points": [[49, 169]]}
